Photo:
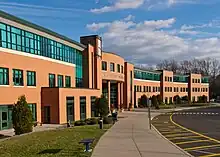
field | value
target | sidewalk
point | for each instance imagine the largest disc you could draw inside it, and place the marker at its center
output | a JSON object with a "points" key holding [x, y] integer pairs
{"points": [[131, 137]]}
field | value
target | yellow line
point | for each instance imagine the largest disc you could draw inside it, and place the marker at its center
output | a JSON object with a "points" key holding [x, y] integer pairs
{"points": [[201, 147], [209, 138], [181, 134], [173, 132], [211, 155], [195, 141], [175, 138]]}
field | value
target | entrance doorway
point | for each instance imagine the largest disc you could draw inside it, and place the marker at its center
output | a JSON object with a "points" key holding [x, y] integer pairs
{"points": [[5, 117], [47, 114]]}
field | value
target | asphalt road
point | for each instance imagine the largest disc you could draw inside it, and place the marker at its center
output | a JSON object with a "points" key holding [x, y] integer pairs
{"points": [[196, 131]]}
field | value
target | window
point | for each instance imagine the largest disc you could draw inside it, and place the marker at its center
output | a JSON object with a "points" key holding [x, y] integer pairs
{"points": [[31, 78], [193, 81], [93, 110], [112, 67], [4, 76], [32, 107], [170, 89], [165, 89], [198, 80], [158, 89], [82, 107], [118, 68], [18, 77], [67, 81], [122, 69], [186, 89], [60, 81], [52, 80], [104, 65], [170, 79], [140, 89], [149, 88], [70, 109], [154, 89], [165, 78]]}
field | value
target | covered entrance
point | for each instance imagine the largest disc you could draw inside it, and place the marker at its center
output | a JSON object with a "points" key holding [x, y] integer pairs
{"points": [[5, 117]]}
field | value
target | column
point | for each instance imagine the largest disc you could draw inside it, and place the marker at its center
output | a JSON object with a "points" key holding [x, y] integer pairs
{"points": [[119, 94], [122, 95], [109, 94]]}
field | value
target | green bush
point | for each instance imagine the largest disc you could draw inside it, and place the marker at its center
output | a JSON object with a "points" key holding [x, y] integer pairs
{"points": [[79, 123], [159, 99], [101, 106], [154, 101], [91, 121], [107, 120], [143, 100], [22, 117]]}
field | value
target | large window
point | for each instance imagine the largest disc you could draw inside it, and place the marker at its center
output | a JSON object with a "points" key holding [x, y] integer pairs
{"points": [[31, 78], [18, 77], [118, 68], [33, 110], [4, 76], [60, 81], [104, 65], [178, 78], [67, 81], [93, 111], [82, 107], [52, 80], [21, 40], [70, 109], [146, 75], [112, 67]]}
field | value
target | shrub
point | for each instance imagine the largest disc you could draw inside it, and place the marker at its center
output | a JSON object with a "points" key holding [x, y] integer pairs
{"points": [[159, 99], [143, 100], [154, 101], [22, 117], [107, 120], [101, 106], [91, 121], [177, 99], [79, 123]]}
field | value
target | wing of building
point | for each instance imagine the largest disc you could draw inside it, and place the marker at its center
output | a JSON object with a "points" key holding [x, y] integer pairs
{"points": [[61, 78]]}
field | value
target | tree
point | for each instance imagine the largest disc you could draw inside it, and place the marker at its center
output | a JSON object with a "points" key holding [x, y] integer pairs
{"points": [[143, 100], [177, 99], [22, 117], [101, 106], [159, 99], [154, 101]]}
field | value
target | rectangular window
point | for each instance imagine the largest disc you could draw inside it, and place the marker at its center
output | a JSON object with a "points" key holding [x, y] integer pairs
{"points": [[112, 67], [52, 80], [122, 69], [165, 78], [104, 65], [93, 111], [153, 89], [4, 76], [82, 108], [70, 109], [32, 107], [67, 81], [118, 68], [149, 88], [60, 81], [140, 89], [31, 78], [18, 77]]}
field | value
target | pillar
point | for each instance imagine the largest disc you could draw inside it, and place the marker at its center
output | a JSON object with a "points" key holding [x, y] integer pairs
{"points": [[122, 96], [109, 94], [119, 94]]}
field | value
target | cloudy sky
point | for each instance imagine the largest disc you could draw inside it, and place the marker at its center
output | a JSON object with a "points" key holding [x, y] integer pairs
{"points": [[143, 31]]}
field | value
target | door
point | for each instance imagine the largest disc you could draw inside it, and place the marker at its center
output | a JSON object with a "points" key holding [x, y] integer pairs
{"points": [[4, 119], [47, 114]]}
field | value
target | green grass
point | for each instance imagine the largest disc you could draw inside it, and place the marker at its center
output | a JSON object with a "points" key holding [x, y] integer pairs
{"points": [[62, 143]]}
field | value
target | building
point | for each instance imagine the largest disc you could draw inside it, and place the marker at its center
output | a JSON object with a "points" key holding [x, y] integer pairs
{"points": [[61, 78]]}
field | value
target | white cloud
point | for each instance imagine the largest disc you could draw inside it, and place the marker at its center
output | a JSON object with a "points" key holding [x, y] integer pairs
{"points": [[119, 5], [146, 43], [129, 17]]}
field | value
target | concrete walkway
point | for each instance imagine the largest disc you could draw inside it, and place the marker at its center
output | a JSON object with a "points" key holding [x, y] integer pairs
{"points": [[131, 137]]}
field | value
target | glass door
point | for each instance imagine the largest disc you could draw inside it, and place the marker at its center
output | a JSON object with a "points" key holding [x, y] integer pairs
{"points": [[4, 119], [47, 114]]}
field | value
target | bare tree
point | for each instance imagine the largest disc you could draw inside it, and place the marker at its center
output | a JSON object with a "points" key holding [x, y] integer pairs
{"points": [[171, 65]]}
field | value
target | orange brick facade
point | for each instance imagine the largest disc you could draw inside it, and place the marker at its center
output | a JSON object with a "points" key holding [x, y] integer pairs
{"points": [[102, 73]]}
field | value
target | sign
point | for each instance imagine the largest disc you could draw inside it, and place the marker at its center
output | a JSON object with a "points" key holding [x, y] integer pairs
{"points": [[99, 48]]}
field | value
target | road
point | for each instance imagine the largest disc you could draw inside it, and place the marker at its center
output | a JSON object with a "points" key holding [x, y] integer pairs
{"points": [[196, 131]]}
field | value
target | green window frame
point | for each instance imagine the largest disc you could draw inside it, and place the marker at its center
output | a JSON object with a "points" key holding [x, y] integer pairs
{"points": [[112, 67], [18, 78], [82, 108], [60, 81], [4, 76], [33, 109], [118, 68], [52, 80], [31, 78], [67, 81], [104, 65]]}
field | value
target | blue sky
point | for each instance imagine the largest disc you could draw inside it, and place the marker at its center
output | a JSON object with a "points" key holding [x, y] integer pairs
{"points": [[143, 31]]}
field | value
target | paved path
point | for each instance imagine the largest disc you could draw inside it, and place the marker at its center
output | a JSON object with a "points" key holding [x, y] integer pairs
{"points": [[131, 137]]}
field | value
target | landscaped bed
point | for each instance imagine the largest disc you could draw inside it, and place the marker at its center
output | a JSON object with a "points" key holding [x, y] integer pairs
{"points": [[62, 142]]}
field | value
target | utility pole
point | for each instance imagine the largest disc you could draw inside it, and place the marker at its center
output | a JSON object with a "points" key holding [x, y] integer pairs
{"points": [[149, 115]]}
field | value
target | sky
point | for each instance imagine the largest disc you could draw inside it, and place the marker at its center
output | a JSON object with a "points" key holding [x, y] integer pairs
{"points": [[144, 32]]}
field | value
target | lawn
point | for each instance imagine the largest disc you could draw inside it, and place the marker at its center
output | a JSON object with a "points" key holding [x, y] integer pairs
{"points": [[62, 142]]}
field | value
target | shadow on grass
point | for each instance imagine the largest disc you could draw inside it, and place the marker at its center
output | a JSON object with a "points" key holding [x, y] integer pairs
{"points": [[50, 151], [3, 136]]}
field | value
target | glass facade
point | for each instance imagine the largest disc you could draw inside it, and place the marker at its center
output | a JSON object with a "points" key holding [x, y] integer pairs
{"points": [[82, 107], [60, 81], [52, 80], [33, 110], [18, 77], [67, 81], [31, 78], [179, 78], [145, 75], [4, 76], [205, 80], [21, 40]]}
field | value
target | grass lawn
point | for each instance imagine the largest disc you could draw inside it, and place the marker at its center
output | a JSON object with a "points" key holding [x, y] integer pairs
{"points": [[62, 143]]}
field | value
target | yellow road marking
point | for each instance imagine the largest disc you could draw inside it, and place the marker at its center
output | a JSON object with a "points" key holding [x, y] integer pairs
{"points": [[175, 138], [195, 141], [209, 138], [211, 155], [181, 134], [201, 147], [173, 132]]}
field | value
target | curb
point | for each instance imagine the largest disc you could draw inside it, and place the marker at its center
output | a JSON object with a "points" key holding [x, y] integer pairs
{"points": [[171, 142]]}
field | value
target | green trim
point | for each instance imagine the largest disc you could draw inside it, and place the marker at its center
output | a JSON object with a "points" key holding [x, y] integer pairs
{"points": [[37, 27]]}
